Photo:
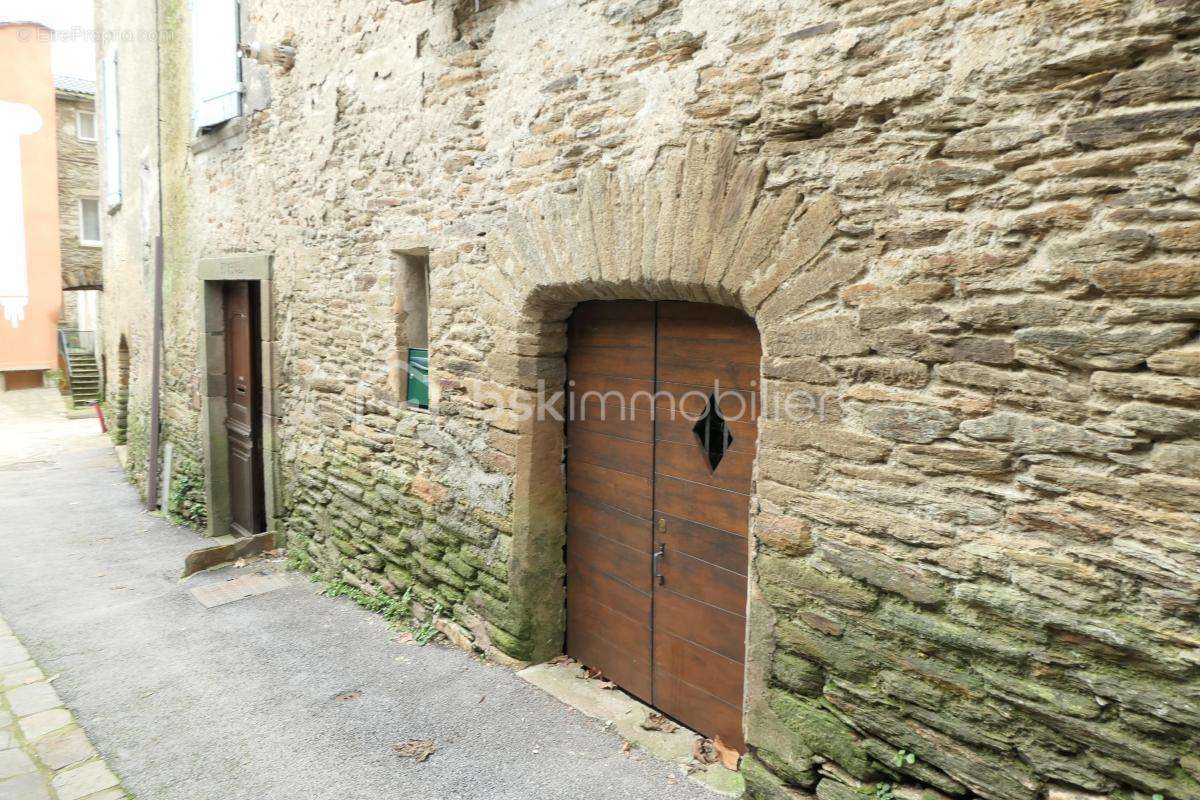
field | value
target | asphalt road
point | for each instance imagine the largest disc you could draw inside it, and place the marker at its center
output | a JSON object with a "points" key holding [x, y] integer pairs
{"points": [[246, 700]]}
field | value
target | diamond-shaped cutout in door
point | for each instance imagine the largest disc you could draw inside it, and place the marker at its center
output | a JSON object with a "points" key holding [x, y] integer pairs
{"points": [[712, 433]]}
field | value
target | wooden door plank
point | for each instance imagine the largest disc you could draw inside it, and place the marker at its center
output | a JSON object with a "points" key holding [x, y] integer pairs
{"points": [[592, 514], [698, 709], [707, 505], [606, 589], [706, 625], [616, 362], [600, 637], [688, 461], [706, 376], [632, 494], [703, 581], [591, 550], [720, 548], [687, 661], [611, 452]]}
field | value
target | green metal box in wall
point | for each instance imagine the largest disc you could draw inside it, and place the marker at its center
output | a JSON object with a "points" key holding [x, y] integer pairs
{"points": [[418, 378]]}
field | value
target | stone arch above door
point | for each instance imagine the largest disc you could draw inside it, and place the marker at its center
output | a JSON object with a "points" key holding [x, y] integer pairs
{"points": [[700, 226]]}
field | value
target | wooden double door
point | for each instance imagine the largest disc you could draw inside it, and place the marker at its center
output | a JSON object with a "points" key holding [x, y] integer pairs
{"points": [[243, 406], [663, 405]]}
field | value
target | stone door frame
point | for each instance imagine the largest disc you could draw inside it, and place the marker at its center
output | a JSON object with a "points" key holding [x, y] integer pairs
{"points": [[699, 224], [212, 272]]}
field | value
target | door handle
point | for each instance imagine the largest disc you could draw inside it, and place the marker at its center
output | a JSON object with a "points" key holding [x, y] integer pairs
{"points": [[657, 560]]}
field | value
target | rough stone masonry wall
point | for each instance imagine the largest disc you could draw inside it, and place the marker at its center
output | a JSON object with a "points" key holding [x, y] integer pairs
{"points": [[77, 178], [989, 555]]}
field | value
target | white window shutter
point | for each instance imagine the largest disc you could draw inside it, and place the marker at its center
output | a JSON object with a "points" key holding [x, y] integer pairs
{"points": [[216, 63], [112, 133]]}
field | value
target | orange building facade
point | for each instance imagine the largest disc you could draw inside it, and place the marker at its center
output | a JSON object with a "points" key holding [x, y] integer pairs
{"points": [[30, 279]]}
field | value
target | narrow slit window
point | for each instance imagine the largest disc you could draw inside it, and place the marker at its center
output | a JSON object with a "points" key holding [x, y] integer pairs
{"points": [[414, 329]]}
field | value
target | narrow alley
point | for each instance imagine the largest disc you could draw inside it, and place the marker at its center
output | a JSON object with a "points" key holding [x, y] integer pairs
{"points": [[286, 695]]}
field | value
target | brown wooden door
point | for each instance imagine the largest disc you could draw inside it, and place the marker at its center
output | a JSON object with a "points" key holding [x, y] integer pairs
{"points": [[243, 415], [680, 584]]}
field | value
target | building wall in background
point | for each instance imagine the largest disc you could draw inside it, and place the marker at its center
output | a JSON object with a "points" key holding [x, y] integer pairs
{"points": [[78, 178], [128, 28], [30, 283]]}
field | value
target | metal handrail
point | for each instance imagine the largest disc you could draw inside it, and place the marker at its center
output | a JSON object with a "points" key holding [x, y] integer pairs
{"points": [[74, 340], [63, 351]]}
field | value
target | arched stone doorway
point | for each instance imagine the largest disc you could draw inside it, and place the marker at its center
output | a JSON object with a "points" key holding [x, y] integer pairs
{"points": [[121, 415], [663, 403], [700, 226]]}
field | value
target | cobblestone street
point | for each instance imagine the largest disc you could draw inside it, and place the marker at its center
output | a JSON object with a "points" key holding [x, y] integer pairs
{"points": [[43, 751], [285, 695]]}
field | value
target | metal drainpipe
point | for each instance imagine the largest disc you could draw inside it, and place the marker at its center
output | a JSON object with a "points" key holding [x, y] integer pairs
{"points": [[155, 373], [156, 352]]}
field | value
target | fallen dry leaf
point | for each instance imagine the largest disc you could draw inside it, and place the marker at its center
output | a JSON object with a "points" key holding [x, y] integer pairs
{"points": [[241, 562], [607, 685], [593, 673], [625, 747], [703, 751], [729, 756], [405, 638], [559, 660], [657, 722], [419, 749]]}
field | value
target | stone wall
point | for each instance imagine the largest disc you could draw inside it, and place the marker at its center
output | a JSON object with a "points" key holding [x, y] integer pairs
{"points": [[972, 225], [129, 29], [77, 178]]}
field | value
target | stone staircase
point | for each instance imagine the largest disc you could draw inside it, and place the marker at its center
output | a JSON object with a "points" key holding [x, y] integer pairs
{"points": [[85, 378]]}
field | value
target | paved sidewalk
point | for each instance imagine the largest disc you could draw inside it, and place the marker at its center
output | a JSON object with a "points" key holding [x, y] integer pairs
{"points": [[281, 696], [44, 754]]}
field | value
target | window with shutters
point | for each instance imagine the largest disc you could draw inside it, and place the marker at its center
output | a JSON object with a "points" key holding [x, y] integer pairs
{"points": [[112, 131], [216, 63], [89, 221], [85, 126]]}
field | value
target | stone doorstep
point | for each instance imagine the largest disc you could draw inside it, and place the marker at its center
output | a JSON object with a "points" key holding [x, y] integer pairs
{"points": [[239, 588], [227, 549], [567, 683]]}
